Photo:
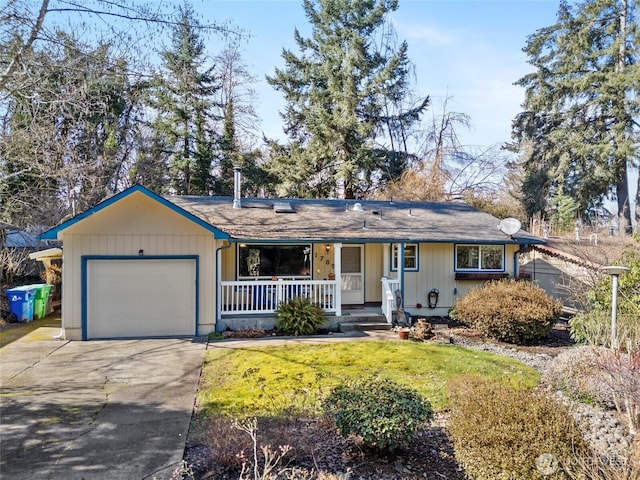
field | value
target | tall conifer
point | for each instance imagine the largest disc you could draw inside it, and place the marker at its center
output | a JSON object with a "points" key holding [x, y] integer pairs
{"points": [[338, 91], [579, 124]]}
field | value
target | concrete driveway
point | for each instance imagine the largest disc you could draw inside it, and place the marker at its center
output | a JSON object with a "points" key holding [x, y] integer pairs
{"points": [[96, 410]]}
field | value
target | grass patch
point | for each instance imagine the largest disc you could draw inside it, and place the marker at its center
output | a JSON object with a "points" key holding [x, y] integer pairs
{"points": [[272, 381], [10, 332]]}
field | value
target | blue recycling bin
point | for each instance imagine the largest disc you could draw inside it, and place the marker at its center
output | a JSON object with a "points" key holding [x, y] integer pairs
{"points": [[21, 302]]}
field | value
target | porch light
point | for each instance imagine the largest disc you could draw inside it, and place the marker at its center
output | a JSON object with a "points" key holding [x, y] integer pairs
{"points": [[615, 271], [327, 247]]}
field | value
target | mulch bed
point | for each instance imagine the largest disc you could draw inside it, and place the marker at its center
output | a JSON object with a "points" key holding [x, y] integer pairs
{"points": [[316, 446]]}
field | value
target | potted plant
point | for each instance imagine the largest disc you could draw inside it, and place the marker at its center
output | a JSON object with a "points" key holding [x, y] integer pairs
{"points": [[403, 332]]}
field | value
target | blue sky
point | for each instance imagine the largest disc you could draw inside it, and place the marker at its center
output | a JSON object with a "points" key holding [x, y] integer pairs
{"points": [[468, 50]]}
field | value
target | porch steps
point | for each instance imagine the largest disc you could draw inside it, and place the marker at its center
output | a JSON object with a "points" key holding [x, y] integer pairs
{"points": [[363, 322]]}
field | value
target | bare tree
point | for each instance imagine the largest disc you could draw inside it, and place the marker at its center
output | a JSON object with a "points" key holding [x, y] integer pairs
{"points": [[447, 170], [27, 24], [237, 87]]}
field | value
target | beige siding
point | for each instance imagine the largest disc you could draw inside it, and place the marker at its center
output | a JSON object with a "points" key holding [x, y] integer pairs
{"points": [[123, 229], [436, 271], [229, 263]]}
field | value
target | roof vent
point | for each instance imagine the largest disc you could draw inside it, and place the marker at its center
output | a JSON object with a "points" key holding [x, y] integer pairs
{"points": [[357, 207], [283, 207], [236, 188]]}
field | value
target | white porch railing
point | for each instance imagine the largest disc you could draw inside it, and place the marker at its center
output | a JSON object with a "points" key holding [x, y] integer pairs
{"points": [[389, 286], [264, 296]]}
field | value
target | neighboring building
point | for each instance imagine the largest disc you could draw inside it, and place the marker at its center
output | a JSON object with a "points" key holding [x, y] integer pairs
{"points": [[15, 246], [140, 265], [561, 274]]}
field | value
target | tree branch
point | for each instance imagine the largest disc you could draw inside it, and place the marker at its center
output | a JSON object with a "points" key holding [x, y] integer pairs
{"points": [[35, 30]]}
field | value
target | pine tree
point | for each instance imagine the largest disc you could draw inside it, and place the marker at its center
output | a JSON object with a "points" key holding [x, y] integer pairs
{"points": [[339, 91], [183, 100], [580, 110], [229, 154]]}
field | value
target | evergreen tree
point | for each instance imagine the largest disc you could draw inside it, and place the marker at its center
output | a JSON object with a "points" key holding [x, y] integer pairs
{"points": [[183, 100], [578, 126], [229, 154], [342, 91]]}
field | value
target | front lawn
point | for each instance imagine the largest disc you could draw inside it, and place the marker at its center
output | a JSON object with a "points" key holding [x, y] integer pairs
{"points": [[270, 381]]}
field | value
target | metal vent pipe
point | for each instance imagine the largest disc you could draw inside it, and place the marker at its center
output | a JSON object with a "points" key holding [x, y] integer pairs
{"points": [[236, 188]]}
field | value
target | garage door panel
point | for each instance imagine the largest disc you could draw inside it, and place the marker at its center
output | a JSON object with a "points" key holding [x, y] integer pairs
{"points": [[133, 298]]}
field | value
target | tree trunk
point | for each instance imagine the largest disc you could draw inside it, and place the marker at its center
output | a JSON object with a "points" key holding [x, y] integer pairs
{"points": [[638, 205], [622, 183], [622, 194]]}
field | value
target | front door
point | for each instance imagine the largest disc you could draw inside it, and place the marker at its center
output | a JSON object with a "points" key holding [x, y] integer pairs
{"points": [[352, 284]]}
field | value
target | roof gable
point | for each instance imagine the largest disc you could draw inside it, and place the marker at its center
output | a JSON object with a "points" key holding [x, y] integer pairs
{"points": [[56, 232]]}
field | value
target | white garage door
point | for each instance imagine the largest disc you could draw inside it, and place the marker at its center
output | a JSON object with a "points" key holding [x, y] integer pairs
{"points": [[141, 298]]}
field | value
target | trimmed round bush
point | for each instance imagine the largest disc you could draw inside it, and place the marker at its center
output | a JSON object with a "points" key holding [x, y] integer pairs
{"points": [[383, 413], [299, 316], [509, 310], [502, 433]]}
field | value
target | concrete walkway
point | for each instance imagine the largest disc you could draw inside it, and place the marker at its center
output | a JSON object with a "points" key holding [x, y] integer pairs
{"points": [[95, 410]]}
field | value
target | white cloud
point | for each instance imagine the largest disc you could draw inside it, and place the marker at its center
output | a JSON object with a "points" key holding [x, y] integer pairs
{"points": [[432, 36]]}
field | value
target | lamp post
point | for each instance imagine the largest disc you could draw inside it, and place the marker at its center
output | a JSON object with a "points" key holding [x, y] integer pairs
{"points": [[615, 271]]}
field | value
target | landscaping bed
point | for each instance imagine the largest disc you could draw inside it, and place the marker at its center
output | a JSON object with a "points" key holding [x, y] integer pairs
{"points": [[258, 381], [216, 449]]}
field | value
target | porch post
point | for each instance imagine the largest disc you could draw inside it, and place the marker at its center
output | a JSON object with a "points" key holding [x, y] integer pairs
{"points": [[218, 288], [337, 265], [401, 268]]}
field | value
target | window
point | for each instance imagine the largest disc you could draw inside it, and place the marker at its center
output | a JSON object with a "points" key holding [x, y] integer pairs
{"points": [[410, 257], [265, 261], [480, 257]]}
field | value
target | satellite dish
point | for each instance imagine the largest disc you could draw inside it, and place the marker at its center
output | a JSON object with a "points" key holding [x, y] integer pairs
{"points": [[509, 226]]}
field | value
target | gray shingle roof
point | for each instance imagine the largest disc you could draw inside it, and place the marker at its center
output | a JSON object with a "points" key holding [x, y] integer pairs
{"points": [[336, 220]]}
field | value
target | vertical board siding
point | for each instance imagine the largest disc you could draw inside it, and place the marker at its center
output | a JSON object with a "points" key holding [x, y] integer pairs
{"points": [[79, 245]]}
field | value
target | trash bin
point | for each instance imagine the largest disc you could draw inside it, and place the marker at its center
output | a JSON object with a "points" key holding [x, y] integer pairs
{"points": [[21, 302], [40, 302]]}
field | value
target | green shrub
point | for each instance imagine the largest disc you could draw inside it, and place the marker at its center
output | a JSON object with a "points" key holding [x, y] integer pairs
{"points": [[299, 316], [594, 327], [383, 413], [509, 310], [499, 432]]}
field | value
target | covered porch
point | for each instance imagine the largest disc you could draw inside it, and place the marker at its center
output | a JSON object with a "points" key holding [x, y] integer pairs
{"points": [[333, 276]]}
